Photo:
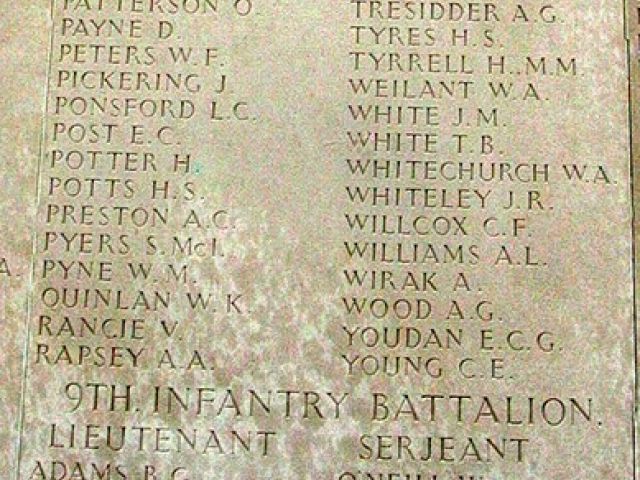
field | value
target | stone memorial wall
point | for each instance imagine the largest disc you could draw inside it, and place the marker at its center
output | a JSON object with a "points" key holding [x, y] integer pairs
{"points": [[295, 239]]}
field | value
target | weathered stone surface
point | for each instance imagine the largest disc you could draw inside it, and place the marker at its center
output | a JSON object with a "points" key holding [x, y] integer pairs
{"points": [[23, 56], [342, 240]]}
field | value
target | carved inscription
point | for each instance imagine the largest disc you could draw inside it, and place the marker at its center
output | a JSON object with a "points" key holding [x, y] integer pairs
{"points": [[350, 240]]}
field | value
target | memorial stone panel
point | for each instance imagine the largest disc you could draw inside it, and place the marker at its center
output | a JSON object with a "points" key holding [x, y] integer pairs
{"points": [[351, 240]]}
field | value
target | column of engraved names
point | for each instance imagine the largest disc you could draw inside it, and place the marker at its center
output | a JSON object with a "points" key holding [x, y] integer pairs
{"points": [[445, 212], [130, 267]]}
